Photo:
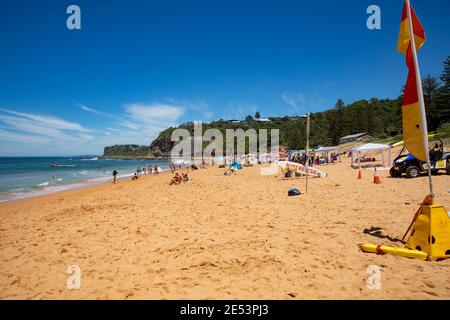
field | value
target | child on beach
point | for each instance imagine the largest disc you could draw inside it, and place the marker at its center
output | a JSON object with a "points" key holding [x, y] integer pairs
{"points": [[114, 176]]}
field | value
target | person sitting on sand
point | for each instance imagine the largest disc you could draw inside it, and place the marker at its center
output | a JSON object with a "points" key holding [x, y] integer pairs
{"points": [[288, 174], [185, 177], [114, 176], [135, 176], [176, 179]]}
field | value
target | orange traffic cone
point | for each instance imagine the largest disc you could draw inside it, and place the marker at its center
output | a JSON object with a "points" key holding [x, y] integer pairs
{"points": [[376, 177], [359, 175]]}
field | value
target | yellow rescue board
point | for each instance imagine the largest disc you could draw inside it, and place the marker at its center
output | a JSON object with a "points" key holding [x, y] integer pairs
{"points": [[408, 253]]}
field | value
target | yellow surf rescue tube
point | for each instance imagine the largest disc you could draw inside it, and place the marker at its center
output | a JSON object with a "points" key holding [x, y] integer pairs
{"points": [[379, 249]]}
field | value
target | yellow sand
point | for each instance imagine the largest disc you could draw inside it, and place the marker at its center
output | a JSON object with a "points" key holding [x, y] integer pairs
{"points": [[219, 237]]}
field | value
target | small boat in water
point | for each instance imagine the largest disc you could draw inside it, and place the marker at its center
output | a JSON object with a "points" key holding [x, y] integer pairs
{"points": [[54, 164]]}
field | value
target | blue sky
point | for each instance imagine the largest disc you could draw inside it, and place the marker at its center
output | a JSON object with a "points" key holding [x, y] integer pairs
{"points": [[137, 67]]}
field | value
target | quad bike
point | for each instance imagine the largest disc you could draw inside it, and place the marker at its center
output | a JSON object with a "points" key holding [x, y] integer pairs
{"points": [[408, 164]]}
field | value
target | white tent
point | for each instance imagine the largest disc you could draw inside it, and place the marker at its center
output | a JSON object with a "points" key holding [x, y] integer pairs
{"points": [[372, 148], [326, 150]]}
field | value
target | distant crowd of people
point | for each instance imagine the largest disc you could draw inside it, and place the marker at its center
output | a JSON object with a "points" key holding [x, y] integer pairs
{"points": [[314, 159], [150, 170], [145, 171]]}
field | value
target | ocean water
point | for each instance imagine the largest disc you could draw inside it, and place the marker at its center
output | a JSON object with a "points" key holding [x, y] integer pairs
{"points": [[23, 177]]}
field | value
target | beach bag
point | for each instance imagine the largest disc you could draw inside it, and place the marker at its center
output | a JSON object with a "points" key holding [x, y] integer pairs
{"points": [[293, 192]]}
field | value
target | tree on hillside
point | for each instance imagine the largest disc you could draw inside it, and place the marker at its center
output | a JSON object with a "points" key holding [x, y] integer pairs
{"points": [[336, 122], [441, 110], [430, 86], [445, 75], [333, 127], [257, 115], [295, 139]]}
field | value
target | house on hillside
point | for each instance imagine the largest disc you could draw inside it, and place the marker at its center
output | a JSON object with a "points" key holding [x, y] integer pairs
{"points": [[262, 120], [364, 136]]}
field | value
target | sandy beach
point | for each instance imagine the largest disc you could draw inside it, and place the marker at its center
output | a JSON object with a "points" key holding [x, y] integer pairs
{"points": [[220, 237]]}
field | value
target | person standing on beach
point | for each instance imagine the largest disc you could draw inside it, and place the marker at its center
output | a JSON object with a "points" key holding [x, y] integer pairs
{"points": [[114, 176], [150, 169], [156, 169]]}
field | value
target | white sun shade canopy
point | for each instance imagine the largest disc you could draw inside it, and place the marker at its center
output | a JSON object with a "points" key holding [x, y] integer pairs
{"points": [[371, 147]]}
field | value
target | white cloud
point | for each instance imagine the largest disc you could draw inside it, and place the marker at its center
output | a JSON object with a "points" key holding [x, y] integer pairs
{"points": [[94, 111], [49, 135], [301, 102], [240, 110], [141, 123], [293, 100], [153, 112], [83, 107], [48, 121], [86, 136], [22, 138], [200, 107]]}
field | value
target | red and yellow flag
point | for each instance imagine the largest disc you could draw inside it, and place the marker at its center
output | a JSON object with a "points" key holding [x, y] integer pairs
{"points": [[403, 38], [412, 125]]}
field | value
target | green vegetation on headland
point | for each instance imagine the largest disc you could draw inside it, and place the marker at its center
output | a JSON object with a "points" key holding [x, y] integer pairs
{"points": [[380, 117], [131, 151]]}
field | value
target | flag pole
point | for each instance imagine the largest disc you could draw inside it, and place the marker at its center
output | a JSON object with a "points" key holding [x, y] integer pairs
{"points": [[308, 122], [423, 117]]}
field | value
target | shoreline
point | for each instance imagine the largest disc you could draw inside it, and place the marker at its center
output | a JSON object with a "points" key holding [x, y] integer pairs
{"points": [[78, 185], [69, 192]]}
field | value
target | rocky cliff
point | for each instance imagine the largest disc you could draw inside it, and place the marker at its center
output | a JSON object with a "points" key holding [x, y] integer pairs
{"points": [[161, 147]]}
